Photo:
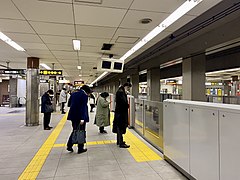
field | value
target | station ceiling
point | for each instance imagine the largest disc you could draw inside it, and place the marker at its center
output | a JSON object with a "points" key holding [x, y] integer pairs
{"points": [[46, 28]]}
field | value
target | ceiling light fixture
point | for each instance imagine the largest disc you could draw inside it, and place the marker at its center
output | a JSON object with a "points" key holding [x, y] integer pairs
{"points": [[79, 67], [10, 42], [45, 66], [76, 44], [178, 13]]}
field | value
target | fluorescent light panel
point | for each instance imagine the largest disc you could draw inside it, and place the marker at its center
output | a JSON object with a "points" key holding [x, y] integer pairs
{"points": [[76, 44], [10, 42], [45, 66]]}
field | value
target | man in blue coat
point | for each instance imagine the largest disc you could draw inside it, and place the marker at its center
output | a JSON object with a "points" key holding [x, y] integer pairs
{"points": [[78, 114]]}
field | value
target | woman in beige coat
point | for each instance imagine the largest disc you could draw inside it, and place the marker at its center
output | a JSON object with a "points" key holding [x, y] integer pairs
{"points": [[103, 112]]}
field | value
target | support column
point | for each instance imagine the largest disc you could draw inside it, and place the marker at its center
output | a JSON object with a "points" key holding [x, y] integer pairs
{"points": [[194, 78], [53, 86], [234, 87], [135, 85], [153, 84], [13, 99], [32, 104]]}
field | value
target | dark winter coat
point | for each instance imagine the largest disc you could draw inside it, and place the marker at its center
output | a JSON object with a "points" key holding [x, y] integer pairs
{"points": [[78, 107], [121, 111], [45, 100]]}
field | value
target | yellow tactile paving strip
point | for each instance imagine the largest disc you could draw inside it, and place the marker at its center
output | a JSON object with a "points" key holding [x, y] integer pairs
{"points": [[34, 167], [139, 150], [89, 143]]}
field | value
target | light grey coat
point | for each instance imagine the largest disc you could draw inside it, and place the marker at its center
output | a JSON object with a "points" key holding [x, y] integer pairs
{"points": [[103, 112]]}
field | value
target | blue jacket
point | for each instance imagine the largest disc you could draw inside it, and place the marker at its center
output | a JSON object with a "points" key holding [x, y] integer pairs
{"points": [[78, 107]]}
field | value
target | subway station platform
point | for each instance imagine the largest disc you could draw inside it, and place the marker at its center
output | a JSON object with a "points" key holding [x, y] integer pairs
{"points": [[34, 153]]}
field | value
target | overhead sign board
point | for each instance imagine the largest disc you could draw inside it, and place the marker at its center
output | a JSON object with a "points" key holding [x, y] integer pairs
{"points": [[12, 71], [44, 81], [111, 65], [78, 83], [63, 81], [51, 72]]}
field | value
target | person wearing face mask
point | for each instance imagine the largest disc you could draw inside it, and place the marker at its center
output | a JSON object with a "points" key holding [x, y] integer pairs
{"points": [[47, 108], [120, 122]]}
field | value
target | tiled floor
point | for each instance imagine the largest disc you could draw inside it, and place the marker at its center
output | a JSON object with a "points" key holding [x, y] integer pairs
{"points": [[103, 161]]}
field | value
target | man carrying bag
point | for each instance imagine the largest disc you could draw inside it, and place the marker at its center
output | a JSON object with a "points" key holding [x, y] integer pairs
{"points": [[78, 114], [79, 136]]}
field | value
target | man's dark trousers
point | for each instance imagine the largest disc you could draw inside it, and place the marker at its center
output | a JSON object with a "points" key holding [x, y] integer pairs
{"points": [[46, 119]]}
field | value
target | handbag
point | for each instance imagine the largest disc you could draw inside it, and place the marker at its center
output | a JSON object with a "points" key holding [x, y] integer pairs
{"points": [[78, 136], [49, 108]]}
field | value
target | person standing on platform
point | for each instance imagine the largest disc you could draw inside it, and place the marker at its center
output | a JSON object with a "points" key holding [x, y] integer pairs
{"points": [[91, 102], [78, 114], [103, 112], [120, 122], [63, 100], [46, 108]]}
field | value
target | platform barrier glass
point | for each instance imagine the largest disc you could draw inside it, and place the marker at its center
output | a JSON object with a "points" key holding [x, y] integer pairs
{"points": [[138, 124], [149, 121]]}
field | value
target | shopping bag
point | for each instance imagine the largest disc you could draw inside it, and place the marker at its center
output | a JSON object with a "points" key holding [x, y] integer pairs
{"points": [[78, 136]]}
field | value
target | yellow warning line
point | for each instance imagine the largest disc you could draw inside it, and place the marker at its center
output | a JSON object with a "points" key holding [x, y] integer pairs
{"points": [[34, 167], [138, 149], [89, 143]]}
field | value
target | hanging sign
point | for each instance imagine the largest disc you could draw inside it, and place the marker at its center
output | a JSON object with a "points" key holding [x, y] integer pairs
{"points": [[78, 83], [44, 81], [51, 72], [12, 71]]}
